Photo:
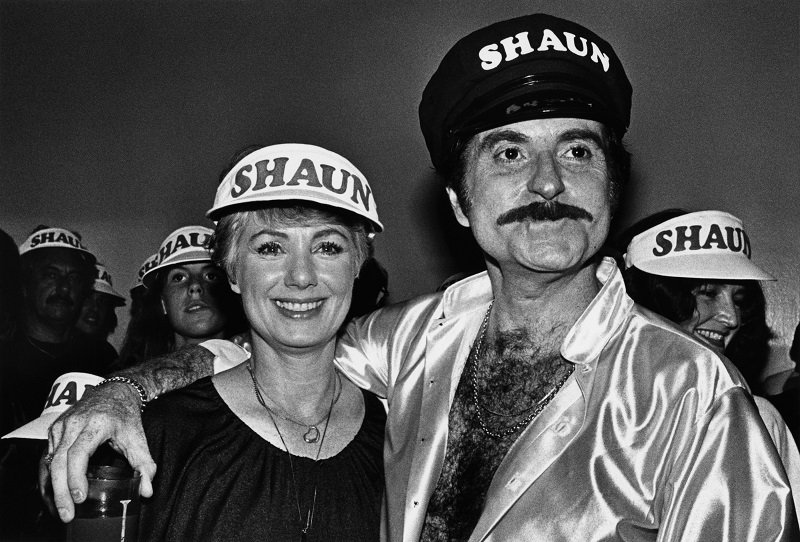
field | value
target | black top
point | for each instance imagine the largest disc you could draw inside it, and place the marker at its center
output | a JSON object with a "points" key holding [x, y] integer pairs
{"points": [[219, 480]]}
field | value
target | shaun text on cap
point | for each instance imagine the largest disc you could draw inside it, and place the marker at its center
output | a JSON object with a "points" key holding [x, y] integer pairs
{"points": [[705, 244], [297, 172], [188, 244], [65, 392], [531, 67], [54, 238], [104, 285]]}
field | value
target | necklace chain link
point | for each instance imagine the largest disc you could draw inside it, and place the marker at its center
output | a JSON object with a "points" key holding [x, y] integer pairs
{"points": [[535, 409], [334, 396]]}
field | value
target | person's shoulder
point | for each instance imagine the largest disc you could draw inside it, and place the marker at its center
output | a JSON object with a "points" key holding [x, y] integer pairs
{"points": [[394, 311], [664, 338], [461, 297], [197, 398], [665, 352], [99, 352]]}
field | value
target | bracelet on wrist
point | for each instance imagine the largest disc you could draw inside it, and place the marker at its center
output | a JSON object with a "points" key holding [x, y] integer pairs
{"points": [[131, 382]]}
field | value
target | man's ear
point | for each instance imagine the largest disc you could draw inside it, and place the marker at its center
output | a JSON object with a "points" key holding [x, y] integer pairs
{"points": [[456, 206]]}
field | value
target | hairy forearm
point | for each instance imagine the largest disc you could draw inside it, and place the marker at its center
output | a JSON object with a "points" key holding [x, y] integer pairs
{"points": [[172, 371]]}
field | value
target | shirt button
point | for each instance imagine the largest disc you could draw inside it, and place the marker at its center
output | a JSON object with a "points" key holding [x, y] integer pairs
{"points": [[562, 428], [586, 368]]}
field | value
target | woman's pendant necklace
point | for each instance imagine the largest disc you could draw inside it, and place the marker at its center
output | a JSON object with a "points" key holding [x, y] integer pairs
{"points": [[311, 435]]}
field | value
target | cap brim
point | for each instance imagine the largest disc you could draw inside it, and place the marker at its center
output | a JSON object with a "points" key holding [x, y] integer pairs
{"points": [[712, 266], [189, 257], [288, 194], [544, 100], [118, 299], [36, 429]]}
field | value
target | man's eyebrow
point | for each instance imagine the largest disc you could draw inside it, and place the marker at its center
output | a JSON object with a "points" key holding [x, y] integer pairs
{"points": [[510, 136], [582, 133]]}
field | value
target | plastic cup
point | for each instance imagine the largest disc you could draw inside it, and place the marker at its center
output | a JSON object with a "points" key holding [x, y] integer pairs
{"points": [[110, 512]]}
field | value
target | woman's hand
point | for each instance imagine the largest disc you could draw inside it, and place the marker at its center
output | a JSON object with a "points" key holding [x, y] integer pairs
{"points": [[109, 413]]}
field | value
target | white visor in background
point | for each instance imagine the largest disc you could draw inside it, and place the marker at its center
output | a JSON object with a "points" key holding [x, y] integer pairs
{"points": [[55, 238], [146, 266], [703, 245], [104, 285], [65, 392], [188, 244]]}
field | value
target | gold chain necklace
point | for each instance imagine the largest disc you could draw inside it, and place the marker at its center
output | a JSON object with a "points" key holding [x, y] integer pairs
{"points": [[535, 409], [310, 515]]}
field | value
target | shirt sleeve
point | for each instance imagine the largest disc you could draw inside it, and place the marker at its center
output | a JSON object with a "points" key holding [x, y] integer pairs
{"points": [[727, 481], [226, 354], [362, 354]]}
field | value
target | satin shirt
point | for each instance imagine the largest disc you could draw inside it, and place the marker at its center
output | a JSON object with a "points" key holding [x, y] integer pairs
{"points": [[653, 437]]}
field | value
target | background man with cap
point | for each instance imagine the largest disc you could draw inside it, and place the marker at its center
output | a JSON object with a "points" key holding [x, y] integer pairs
{"points": [[536, 401], [57, 273], [98, 315]]}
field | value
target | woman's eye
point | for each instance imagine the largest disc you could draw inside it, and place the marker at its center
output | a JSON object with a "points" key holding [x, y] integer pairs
{"points": [[709, 290], [213, 276], [270, 248], [177, 277], [330, 248]]}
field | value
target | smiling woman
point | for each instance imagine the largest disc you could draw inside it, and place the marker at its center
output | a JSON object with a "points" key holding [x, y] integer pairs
{"points": [[707, 284], [281, 447]]}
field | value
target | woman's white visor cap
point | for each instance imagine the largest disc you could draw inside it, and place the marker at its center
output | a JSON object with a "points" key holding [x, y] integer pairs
{"points": [[188, 244], [294, 171], [703, 245]]}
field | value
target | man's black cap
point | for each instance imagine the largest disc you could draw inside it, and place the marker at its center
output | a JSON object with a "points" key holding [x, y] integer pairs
{"points": [[532, 67]]}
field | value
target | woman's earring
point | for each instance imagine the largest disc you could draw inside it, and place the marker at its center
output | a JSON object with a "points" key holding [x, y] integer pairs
{"points": [[163, 307]]}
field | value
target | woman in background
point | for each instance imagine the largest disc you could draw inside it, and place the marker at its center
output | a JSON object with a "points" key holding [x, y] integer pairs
{"points": [[186, 299], [695, 269]]}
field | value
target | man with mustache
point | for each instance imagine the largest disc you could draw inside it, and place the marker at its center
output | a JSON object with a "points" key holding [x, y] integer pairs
{"points": [[57, 273], [534, 401]]}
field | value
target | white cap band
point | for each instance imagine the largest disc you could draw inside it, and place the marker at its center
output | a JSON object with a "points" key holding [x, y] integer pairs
{"points": [[704, 245], [185, 245], [103, 284], [295, 171], [65, 392], [54, 238]]}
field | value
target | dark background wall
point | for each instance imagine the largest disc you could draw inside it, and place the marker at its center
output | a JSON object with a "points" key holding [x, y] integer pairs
{"points": [[117, 117]]}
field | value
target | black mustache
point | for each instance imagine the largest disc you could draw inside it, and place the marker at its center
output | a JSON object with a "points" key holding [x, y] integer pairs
{"points": [[541, 211]]}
